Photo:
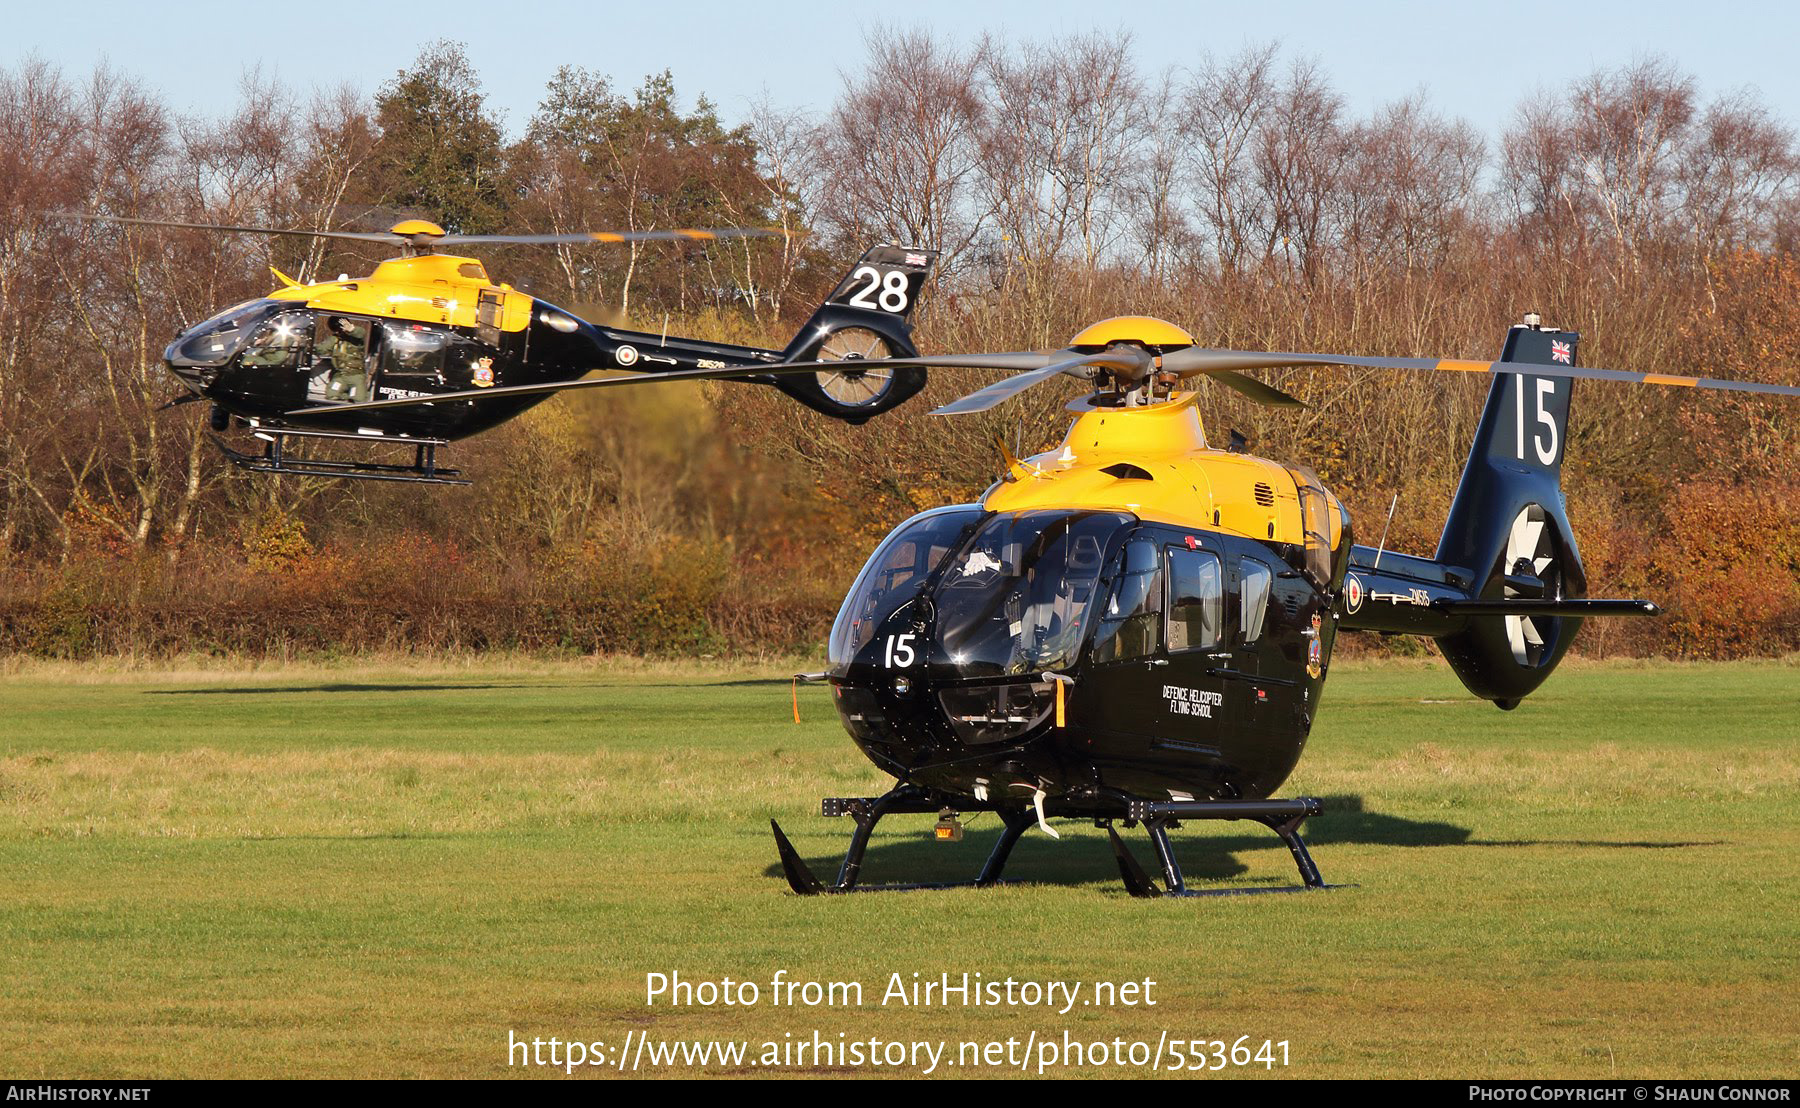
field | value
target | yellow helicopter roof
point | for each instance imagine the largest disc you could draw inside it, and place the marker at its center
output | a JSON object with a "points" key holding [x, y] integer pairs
{"points": [[1153, 461], [425, 288]]}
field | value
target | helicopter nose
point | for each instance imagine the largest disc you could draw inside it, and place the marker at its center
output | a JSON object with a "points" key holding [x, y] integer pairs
{"points": [[191, 376]]}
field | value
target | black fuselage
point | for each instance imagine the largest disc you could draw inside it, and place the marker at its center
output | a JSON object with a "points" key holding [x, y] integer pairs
{"points": [[1187, 683]]}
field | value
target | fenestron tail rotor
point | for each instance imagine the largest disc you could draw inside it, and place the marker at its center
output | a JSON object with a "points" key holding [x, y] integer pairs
{"points": [[1530, 553]]}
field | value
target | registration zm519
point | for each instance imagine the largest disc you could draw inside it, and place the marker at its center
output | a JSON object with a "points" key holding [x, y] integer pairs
{"points": [[1216, 1054]]}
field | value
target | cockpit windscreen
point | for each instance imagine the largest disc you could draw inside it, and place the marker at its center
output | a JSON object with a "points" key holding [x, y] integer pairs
{"points": [[1018, 596]]}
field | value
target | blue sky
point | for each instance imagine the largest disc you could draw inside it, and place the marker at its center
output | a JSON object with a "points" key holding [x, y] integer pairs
{"points": [[1475, 60]]}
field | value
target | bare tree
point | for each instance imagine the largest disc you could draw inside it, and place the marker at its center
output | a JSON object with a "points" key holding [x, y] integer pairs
{"points": [[1299, 157], [1224, 106], [900, 153], [39, 128], [1627, 128], [1734, 174]]}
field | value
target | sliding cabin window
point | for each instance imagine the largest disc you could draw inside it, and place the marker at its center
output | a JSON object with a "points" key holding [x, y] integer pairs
{"points": [[412, 351], [1133, 617], [1196, 600], [1254, 583]]}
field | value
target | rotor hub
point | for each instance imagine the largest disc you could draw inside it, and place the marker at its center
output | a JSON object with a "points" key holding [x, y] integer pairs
{"points": [[1158, 336]]}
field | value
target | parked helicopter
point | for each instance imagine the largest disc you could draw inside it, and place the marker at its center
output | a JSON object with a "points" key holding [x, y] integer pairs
{"points": [[1137, 626], [313, 361]]}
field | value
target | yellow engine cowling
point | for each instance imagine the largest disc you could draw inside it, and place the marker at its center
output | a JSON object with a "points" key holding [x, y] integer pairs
{"points": [[1153, 461]]}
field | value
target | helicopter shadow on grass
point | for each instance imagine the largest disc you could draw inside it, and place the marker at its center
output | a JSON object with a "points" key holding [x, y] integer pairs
{"points": [[909, 853], [702, 683], [450, 686], [338, 687]]}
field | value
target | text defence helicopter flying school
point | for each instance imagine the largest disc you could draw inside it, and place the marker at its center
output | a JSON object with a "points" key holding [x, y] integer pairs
{"points": [[461, 354]]}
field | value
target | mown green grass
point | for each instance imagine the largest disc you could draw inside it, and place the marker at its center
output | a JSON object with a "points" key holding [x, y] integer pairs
{"points": [[333, 872]]}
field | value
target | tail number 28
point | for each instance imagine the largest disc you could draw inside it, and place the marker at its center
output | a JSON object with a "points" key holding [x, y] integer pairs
{"points": [[886, 286]]}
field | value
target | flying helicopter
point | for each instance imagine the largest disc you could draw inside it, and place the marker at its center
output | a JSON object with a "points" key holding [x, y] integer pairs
{"points": [[316, 361], [1136, 627]]}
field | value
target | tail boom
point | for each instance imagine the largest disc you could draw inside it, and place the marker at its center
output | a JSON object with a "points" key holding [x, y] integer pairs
{"points": [[1505, 594]]}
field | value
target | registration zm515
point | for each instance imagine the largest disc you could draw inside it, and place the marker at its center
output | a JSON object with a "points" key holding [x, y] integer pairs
{"points": [[1216, 1054]]}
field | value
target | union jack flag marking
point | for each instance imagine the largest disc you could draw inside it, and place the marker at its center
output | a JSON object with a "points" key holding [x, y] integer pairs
{"points": [[1560, 352], [915, 259]]}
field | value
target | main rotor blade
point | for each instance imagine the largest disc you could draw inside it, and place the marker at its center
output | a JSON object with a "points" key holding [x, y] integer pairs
{"points": [[363, 236], [1256, 390], [687, 234], [982, 399], [1194, 361]]}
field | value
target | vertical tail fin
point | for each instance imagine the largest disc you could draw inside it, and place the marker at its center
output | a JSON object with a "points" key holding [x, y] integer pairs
{"points": [[868, 315], [1508, 528]]}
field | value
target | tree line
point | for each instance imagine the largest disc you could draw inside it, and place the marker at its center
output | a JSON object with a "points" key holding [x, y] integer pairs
{"points": [[1241, 198]]}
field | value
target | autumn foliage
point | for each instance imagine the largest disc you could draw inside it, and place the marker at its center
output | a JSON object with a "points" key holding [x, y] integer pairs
{"points": [[1241, 199]]}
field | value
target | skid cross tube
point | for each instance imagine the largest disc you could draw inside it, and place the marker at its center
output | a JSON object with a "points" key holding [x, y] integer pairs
{"points": [[867, 812], [1283, 817]]}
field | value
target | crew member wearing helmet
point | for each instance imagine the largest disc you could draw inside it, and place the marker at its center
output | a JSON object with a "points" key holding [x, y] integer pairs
{"points": [[345, 345]]}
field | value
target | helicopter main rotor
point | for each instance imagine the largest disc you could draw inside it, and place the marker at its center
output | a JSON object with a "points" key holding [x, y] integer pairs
{"points": [[421, 236]]}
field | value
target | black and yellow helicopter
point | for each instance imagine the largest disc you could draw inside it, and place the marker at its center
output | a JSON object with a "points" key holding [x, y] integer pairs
{"points": [[1137, 626], [427, 349]]}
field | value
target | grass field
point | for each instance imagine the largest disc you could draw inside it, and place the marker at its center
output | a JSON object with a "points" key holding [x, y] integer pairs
{"points": [[339, 872]]}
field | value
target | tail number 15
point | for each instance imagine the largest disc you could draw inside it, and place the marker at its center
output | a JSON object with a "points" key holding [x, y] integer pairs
{"points": [[900, 654], [1543, 444]]}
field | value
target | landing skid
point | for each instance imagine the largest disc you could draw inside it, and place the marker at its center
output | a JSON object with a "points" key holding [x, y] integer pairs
{"points": [[1158, 817], [274, 459], [1283, 817], [867, 812]]}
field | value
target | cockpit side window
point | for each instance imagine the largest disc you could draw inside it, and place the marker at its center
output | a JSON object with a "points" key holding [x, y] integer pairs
{"points": [[1130, 625], [1196, 600], [279, 342]]}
